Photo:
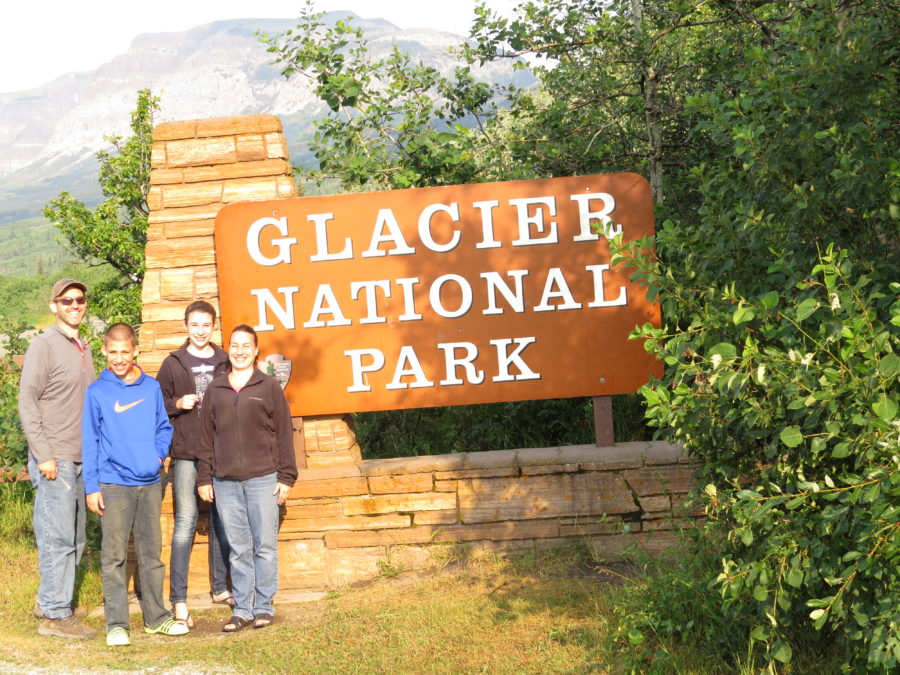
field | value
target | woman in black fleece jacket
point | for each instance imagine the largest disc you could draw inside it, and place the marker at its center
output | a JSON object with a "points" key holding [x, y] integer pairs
{"points": [[247, 465]]}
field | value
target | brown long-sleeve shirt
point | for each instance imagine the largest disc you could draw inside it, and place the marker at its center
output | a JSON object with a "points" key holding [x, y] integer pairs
{"points": [[56, 373]]}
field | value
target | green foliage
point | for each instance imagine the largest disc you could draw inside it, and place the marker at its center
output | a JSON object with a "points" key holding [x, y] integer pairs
{"points": [[781, 347], [790, 402], [29, 247], [395, 123], [493, 426], [116, 231], [16, 512], [13, 448]]}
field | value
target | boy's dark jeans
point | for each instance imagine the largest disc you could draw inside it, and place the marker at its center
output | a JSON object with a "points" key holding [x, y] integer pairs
{"points": [[132, 508]]}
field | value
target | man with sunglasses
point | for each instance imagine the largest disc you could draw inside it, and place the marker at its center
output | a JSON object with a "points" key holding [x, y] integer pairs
{"points": [[57, 370]]}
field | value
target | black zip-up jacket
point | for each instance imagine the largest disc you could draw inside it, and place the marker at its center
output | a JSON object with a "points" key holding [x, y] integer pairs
{"points": [[176, 380], [246, 433]]}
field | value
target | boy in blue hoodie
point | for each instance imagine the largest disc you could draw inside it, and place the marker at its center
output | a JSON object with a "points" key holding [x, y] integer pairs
{"points": [[125, 438]]}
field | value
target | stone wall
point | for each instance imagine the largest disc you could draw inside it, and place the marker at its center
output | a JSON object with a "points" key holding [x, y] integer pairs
{"points": [[346, 518], [345, 524]]}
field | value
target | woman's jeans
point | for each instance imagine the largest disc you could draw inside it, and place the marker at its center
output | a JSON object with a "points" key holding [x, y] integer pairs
{"points": [[249, 510], [184, 490]]}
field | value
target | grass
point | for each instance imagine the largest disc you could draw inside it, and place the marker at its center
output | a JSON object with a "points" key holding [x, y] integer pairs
{"points": [[549, 611]]}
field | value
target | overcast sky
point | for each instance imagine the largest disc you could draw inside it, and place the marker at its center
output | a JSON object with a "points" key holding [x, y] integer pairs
{"points": [[43, 39]]}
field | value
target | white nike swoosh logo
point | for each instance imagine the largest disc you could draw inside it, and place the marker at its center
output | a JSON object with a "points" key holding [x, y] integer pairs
{"points": [[123, 408]]}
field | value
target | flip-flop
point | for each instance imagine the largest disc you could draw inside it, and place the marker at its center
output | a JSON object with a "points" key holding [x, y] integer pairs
{"points": [[227, 600], [235, 624], [262, 620], [187, 621]]}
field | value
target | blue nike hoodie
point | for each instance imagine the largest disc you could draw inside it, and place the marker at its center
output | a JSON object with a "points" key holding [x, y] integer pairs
{"points": [[125, 432]]}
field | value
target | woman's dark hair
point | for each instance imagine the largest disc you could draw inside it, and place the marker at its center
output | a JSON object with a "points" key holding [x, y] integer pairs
{"points": [[199, 306], [244, 328]]}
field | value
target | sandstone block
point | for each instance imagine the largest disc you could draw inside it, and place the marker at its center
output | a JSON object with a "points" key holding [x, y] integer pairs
{"points": [[163, 311], [168, 131], [485, 500], [419, 501], [329, 434], [337, 487], [661, 479], [666, 523], [652, 503], [154, 198], [493, 459], [477, 473], [206, 286], [164, 176], [453, 533], [548, 468], [157, 156], [265, 167], [286, 187], [307, 554], [324, 460], [352, 565], [151, 361], [661, 452], [146, 338], [276, 146], [251, 148], [181, 215], [200, 151], [445, 485], [327, 473], [407, 465], [318, 508], [191, 194], [177, 284], [418, 482], [150, 287], [610, 458], [251, 190], [182, 252], [446, 517], [586, 529], [233, 126], [343, 523]]}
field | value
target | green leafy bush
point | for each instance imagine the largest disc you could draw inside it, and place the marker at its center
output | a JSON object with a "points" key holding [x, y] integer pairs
{"points": [[13, 448]]}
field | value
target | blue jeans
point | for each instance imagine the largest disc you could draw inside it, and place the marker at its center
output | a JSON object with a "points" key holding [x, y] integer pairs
{"points": [[59, 521], [184, 488], [249, 510], [132, 508]]}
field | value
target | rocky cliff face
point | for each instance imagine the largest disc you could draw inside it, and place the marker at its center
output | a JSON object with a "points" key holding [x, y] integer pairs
{"points": [[48, 135]]}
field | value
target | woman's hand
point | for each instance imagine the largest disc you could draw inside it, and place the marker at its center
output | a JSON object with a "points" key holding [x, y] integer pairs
{"points": [[205, 492], [187, 402], [282, 491]]}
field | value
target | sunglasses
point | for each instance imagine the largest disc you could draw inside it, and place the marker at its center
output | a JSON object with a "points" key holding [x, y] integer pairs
{"points": [[69, 301]]}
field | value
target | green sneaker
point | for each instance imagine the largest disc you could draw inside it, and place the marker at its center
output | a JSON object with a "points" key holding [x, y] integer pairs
{"points": [[168, 627], [118, 637]]}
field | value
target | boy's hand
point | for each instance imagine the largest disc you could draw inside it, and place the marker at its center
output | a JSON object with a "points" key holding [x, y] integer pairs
{"points": [[95, 502], [205, 492], [282, 491]]}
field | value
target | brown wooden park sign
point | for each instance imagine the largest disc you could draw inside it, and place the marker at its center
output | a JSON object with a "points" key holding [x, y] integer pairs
{"points": [[441, 296]]}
